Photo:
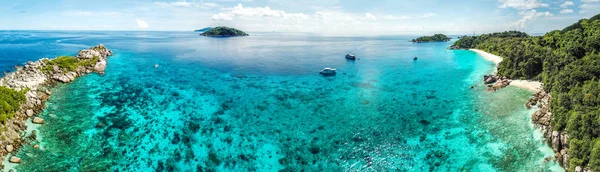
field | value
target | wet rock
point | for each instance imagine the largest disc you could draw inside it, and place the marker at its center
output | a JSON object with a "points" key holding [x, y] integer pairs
{"points": [[558, 140], [14, 159], [29, 112], [38, 120], [488, 79], [9, 148], [500, 84]]}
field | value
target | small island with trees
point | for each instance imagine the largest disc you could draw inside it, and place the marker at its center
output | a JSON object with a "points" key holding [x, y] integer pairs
{"points": [[223, 31], [434, 38]]}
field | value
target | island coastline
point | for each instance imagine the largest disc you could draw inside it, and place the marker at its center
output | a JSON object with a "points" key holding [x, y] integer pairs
{"points": [[533, 86], [35, 79], [540, 100]]}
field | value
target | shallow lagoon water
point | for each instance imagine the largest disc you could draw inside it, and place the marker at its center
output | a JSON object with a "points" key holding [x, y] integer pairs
{"points": [[258, 104]]}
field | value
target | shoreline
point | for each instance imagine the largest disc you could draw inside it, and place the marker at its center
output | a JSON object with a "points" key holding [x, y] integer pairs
{"points": [[541, 118], [533, 86], [36, 78], [488, 56]]}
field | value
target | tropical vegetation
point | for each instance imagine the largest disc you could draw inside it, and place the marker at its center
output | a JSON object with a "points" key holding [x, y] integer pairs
{"points": [[223, 31], [434, 38], [568, 63], [69, 63], [10, 102]]}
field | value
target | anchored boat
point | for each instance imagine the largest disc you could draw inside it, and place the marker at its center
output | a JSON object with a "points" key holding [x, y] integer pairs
{"points": [[350, 57], [328, 72]]}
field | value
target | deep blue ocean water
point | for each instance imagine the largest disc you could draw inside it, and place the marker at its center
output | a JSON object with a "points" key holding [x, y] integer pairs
{"points": [[257, 103]]}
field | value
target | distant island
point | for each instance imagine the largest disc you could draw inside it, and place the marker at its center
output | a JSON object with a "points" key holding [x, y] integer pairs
{"points": [[203, 30], [434, 38], [223, 31]]}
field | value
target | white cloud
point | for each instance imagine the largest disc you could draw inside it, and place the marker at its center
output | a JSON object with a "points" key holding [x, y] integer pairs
{"points": [[209, 4], [336, 21], [566, 4], [203, 5], [586, 1], [240, 11], [566, 11], [177, 4], [142, 24], [370, 16], [409, 17], [589, 7], [521, 4], [91, 14], [527, 16]]}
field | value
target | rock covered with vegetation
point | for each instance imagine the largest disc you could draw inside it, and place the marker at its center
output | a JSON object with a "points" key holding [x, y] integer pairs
{"points": [[10, 102], [223, 31], [568, 63], [23, 93], [434, 38]]}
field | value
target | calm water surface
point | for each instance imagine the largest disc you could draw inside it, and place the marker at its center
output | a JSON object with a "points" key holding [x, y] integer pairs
{"points": [[258, 104]]}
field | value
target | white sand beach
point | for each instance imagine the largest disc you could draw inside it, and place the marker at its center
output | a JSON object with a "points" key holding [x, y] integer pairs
{"points": [[525, 84], [488, 56], [529, 85]]}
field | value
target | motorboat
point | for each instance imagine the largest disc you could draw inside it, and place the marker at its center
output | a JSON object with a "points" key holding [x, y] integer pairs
{"points": [[350, 57], [328, 72]]}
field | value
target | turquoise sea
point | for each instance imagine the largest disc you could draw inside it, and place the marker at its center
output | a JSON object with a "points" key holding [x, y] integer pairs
{"points": [[257, 103]]}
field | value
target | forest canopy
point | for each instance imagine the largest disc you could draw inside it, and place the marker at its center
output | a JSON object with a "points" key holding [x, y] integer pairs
{"points": [[434, 38], [10, 102], [568, 63]]}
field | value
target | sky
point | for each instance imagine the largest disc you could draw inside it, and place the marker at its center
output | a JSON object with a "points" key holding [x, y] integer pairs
{"points": [[340, 17]]}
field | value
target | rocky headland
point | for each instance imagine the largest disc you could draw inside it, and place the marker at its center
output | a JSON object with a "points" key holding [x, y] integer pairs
{"points": [[558, 140], [34, 80]]}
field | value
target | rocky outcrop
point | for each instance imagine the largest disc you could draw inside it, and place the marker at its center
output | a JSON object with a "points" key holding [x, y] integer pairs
{"points": [[495, 83], [558, 140], [15, 159], [68, 77], [488, 79], [9, 148], [38, 120], [33, 78], [542, 118]]}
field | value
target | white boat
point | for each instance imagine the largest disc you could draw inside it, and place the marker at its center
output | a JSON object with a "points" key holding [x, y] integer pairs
{"points": [[350, 56], [328, 72]]}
